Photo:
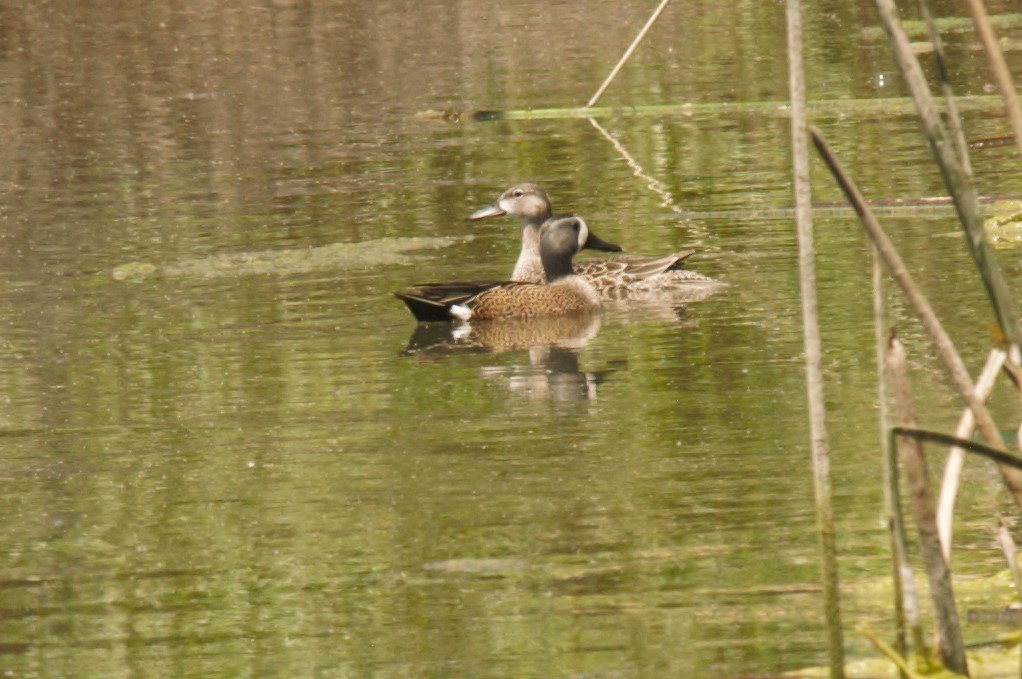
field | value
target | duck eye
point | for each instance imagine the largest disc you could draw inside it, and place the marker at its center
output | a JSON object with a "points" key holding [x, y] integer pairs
{"points": [[518, 193]]}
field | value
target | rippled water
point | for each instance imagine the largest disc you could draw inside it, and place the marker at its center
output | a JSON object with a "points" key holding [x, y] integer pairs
{"points": [[227, 450]]}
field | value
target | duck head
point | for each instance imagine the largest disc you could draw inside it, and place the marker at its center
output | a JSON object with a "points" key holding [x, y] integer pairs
{"points": [[526, 201], [561, 239]]}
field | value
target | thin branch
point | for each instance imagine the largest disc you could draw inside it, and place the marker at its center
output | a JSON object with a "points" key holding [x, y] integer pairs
{"points": [[1007, 544], [949, 632], [1000, 68], [956, 457], [892, 655], [945, 347], [906, 606], [953, 118], [907, 597], [1010, 550], [628, 53], [811, 341], [958, 184]]}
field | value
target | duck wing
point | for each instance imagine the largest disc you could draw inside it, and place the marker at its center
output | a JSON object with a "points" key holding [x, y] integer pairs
{"points": [[672, 262], [627, 270]]}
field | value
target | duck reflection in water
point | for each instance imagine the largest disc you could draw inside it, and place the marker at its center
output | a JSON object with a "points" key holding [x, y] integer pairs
{"points": [[551, 375], [552, 343]]}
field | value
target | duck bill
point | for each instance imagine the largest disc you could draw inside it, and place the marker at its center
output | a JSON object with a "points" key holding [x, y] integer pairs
{"points": [[595, 243], [491, 211]]}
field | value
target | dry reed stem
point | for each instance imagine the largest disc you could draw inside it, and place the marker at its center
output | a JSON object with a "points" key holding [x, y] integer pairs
{"points": [[945, 347], [906, 608], [1007, 544], [906, 598], [627, 54], [1000, 68], [951, 643], [960, 188], [953, 118], [956, 456], [811, 340], [894, 656]]}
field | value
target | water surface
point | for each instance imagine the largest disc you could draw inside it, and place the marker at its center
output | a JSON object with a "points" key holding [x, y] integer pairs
{"points": [[228, 451]]}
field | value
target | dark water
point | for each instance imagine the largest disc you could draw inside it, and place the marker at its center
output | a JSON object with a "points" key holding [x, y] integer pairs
{"points": [[226, 449]]}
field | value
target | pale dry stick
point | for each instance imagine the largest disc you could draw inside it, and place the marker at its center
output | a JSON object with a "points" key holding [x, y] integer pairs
{"points": [[628, 53], [899, 660], [1014, 368], [819, 445], [907, 603], [953, 118], [956, 456], [878, 344], [962, 192], [906, 597], [906, 600], [999, 66], [945, 347], [1007, 544], [949, 631]]}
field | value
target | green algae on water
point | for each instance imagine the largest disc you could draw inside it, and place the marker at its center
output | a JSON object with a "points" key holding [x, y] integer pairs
{"points": [[344, 256]]}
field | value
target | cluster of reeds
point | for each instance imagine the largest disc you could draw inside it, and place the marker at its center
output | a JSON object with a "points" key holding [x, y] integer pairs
{"points": [[932, 517]]}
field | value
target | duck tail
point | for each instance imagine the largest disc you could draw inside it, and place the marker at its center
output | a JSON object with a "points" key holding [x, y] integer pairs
{"points": [[425, 310]]}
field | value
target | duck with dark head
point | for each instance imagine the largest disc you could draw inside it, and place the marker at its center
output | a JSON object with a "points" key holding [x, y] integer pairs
{"points": [[563, 293]]}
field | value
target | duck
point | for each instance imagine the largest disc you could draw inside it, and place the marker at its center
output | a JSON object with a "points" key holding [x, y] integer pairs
{"points": [[610, 277], [563, 292]]}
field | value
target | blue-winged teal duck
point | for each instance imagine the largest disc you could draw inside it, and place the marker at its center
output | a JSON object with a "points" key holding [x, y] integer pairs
{"points": [[610, 277], [564, 293]]}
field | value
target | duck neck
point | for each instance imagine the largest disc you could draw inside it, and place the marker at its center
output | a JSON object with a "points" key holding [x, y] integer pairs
{"points": [[529, 267], [556, 268]]}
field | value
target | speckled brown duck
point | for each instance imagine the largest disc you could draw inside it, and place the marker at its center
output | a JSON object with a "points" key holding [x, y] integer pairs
{"points": [[610, 277], [564, 292]]}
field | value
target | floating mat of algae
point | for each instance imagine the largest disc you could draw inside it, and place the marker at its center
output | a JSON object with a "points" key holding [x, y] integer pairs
{"points": [[993, 652], [362, 255], [1004, 227]]}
